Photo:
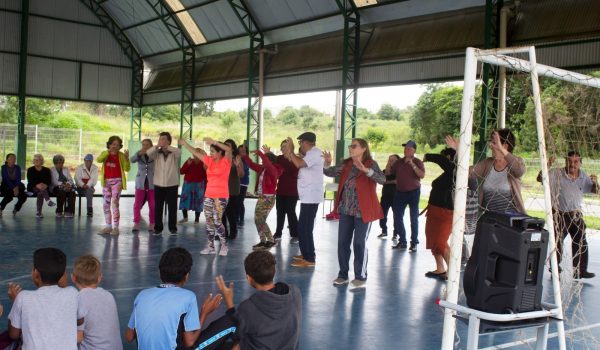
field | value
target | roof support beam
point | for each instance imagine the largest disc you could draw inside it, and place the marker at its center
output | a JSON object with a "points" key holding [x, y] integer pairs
{"points": [[169, 19], [137, 65], [254, 110], [350, 74], [489, 91], [21, 140]]}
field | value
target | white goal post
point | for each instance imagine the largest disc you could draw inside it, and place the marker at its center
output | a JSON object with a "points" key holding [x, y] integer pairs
{"points": [[501, 58]]}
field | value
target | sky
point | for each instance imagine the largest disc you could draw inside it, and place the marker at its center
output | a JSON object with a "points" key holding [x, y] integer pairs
{"points": [[369, 98]]}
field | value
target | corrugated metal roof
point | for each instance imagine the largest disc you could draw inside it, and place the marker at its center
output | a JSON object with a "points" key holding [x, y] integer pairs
{"points": [[275, 13], [64, 9], [9, 66], [9, 37], [151, 38], [10, 5], [129, 12], [217, 21]]}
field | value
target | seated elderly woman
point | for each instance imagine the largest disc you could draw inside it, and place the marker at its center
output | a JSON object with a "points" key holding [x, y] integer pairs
{"points": [[11, 185], [63, 187], [38, 183]]}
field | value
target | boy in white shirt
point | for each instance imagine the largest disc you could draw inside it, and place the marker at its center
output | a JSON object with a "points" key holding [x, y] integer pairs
{"points": [[45, 318]]}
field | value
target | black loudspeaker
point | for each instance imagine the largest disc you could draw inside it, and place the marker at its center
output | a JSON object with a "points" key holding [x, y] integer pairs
{"points": [[504, 272]]}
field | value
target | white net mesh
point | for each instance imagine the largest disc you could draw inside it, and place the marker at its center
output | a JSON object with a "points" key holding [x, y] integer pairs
{"points": [[571, 123]]}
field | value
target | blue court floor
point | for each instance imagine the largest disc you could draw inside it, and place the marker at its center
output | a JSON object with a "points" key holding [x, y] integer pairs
{"points": [[397, 310]]}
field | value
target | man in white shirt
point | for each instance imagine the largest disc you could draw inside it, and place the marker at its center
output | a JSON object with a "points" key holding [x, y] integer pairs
{"points": [[86, 177], [567, 186], [310, 191]]}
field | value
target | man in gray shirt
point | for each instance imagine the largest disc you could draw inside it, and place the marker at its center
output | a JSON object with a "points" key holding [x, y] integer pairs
{"points": [[567, 186]]}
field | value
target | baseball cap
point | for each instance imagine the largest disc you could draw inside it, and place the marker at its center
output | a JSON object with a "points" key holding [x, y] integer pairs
{"points": [[411, 144], [308, 136], [88, 156]]}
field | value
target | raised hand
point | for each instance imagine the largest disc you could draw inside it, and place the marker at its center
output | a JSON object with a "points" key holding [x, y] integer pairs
{"points": [[13, 290], [181, 142], [359, 164], [226, 290], [265, 149], [327, 158], [211, 303], [126, 154], [452, 142], [209, 140]]}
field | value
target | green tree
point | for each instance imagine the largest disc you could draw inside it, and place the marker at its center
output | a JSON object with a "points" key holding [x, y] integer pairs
{"points": [[375, 137], [227, 119], [288, 116], [436, 114], [364, 114], [388, 112]]}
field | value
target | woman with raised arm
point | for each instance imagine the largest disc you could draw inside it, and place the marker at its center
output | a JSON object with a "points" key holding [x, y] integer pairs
{"points": [[499, 175], [268, 173], [358, 206], [194, 185], [218, 165], [232, 212]]}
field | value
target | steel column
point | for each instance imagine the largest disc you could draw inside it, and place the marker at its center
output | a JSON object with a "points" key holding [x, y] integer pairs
{"points": [[350, 73], [21, 139], [489, 90], [253, 125]]}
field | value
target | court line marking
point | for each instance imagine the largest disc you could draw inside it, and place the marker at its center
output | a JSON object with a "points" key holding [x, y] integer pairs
{"points": [[531, 340]]}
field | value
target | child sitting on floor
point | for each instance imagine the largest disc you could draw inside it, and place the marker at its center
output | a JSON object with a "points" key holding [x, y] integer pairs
{"points": [[45, 318], [101, 330], [166, 316], [271, 317]]}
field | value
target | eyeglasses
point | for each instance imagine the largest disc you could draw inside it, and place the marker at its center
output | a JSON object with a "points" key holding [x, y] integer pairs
{"points": [[353, 146]]}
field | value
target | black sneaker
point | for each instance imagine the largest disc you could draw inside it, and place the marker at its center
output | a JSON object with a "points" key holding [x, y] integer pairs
{"points": [[382, 235], [413, 248], [260, 245], [399, 246], [173, 232], [583, 274], [277, 237]]}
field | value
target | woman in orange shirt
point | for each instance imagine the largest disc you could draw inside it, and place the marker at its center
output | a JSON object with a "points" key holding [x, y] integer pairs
{"points": [[218, 164]]}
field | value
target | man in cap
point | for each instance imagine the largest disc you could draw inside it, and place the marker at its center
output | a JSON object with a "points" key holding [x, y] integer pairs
{"points": [[86, 177], [409, 171], [310, 191]]}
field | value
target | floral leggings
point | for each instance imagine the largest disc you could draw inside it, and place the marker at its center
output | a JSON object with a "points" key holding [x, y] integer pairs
{"points": [[112, 193], [213, 211], [263, 208]]}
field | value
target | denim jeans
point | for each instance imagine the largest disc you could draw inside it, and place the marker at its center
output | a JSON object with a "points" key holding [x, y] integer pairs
{"points": [[306, 224], [352, 226], [401, 200]]}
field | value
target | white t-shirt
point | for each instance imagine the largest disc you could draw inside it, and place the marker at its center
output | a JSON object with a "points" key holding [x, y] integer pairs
{"points": [[100, 327], [310, 178], [47, 318]]}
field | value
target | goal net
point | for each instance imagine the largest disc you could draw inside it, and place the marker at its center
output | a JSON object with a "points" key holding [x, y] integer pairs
{"points": [[551, 112]]}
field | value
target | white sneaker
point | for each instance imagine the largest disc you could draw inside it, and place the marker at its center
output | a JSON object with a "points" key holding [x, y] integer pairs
{"points": [[210, 249], [294, 240], [340, 281], [106, 230], [223, 250], [69, 215], [39, 215], [358, 284]]}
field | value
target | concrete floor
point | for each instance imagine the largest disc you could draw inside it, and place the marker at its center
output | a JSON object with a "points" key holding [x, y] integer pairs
{"points": [[396, 310]]}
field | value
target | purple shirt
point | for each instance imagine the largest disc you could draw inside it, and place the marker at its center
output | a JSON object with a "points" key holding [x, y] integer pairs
{"points": [[406, 179]]}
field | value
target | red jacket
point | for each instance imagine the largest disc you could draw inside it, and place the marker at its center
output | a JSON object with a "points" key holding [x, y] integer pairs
{"points": [[194, 172], [370, 209], [270, 173]]}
